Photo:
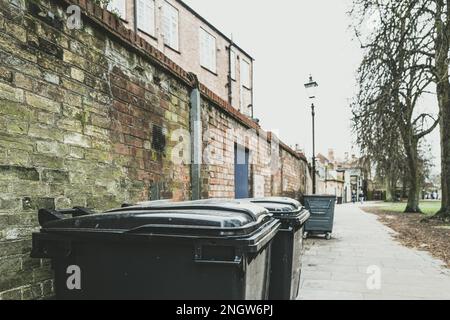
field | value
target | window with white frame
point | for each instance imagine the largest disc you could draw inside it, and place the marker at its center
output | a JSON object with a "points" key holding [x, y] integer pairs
{"points": [[170, 25], [233, 64], [207, 50], [119, 7], [245, 74], [146, 16]]}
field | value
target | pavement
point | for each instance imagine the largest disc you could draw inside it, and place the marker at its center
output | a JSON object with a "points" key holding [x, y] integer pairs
{"points": [[364, 262]]}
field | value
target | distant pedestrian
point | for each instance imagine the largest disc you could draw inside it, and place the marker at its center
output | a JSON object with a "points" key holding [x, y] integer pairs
{"points": [[361, 197]]}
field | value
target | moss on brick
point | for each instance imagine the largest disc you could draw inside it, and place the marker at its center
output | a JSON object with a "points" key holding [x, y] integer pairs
{"points": [[9, 204], [42, 274], [32, 292], [55, 176], [36, 203], [15, 294], [21, 173], [13, 280], [11, 93]]}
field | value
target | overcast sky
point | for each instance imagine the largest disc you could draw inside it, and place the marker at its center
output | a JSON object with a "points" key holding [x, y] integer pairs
{"points": [[289, 40]]}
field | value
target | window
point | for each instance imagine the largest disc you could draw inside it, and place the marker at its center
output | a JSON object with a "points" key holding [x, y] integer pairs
{"points": [[233, 64], [207, 50], [245, 74], [119, 7], [170, 25], [146, 16]]}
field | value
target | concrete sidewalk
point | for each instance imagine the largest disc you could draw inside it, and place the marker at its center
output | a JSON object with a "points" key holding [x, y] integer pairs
{"points": [[360, 249]]}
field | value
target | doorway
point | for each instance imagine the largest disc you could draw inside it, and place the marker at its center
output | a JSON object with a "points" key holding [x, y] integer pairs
{"points": [[241, 172]]}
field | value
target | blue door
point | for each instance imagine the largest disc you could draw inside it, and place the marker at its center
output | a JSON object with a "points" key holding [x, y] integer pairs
{"points": [[241, 170]]}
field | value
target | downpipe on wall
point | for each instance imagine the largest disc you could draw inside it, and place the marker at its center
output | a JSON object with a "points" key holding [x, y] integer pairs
{"points": [[196, 137]]}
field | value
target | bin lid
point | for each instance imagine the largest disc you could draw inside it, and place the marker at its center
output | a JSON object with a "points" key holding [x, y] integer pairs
{"points": [[186, 218], [285, 209], [320, 196], [278, 204], [281, 207]]}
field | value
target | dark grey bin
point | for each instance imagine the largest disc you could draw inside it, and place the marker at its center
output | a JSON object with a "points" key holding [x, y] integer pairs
{"points": [[321, 220], [287, 247], [183, 251]]}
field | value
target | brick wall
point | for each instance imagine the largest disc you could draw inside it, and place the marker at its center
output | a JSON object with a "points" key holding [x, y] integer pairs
{"points": [[77, 112], [91, 118], [284, 171]]}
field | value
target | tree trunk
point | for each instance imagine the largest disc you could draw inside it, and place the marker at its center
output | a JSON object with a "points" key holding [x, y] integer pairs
{"points": [[444, 103], [414, 177], [390, 188], [442, 46], [393, 179], [393, 187], [414, 195], [405, 184]]}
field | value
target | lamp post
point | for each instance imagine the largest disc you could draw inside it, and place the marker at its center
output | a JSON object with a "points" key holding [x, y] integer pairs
{"points": [[311, 88]]}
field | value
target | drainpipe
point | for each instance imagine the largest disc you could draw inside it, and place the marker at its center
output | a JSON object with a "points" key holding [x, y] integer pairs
{"points": [[230, 80], [250, 106], [135, 16], [196, 138], [252, 84]]}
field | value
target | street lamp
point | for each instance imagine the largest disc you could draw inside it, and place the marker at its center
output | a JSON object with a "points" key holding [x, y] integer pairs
{"points": [[311, 89]]}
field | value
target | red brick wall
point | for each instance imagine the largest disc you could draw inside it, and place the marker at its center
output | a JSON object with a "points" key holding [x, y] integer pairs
{"points": [[283, 170]]}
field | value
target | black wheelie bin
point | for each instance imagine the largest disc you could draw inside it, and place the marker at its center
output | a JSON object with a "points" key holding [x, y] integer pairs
{"points": [[180, 251], [321, 208], [287, 247]]}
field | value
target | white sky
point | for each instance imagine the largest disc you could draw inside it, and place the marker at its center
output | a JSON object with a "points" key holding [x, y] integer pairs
{"points": [[289, 40]]}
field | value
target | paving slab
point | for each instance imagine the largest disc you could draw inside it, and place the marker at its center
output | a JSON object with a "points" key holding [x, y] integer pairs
{"points": [[364, 262]]}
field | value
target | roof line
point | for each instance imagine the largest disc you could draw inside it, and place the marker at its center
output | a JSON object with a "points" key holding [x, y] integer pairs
{"points": [[191, 10]]}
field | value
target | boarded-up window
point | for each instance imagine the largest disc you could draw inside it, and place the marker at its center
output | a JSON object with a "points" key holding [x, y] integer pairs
{"points": [[245, 74], [170, 25], [146, 16], [233, 64], [207, 50]]}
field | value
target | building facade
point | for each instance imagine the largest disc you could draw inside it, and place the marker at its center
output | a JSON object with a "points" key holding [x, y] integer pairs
{"points": [[194, 44], [329, 180], [347, 178], [356, 178]]}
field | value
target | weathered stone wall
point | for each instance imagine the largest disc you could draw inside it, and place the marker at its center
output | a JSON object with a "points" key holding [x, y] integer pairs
{"points": [[78, 117], [92, 118]]}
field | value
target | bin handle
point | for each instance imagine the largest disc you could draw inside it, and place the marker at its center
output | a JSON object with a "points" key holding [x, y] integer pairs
{"points": [[236, 262], [46, 215]]}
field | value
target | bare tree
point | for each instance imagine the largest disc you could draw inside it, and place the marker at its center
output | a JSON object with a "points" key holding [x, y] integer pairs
{"points": [[380, 141], [433, 43], [393, 76]]}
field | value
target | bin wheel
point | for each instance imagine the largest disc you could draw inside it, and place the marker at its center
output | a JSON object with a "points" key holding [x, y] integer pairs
{"points": [[328, 236], [305, 235]]}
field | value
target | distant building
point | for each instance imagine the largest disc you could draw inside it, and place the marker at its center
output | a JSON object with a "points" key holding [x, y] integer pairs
{"points": [[343, 177], [329, 180], [356, 177], [193, 43]]}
